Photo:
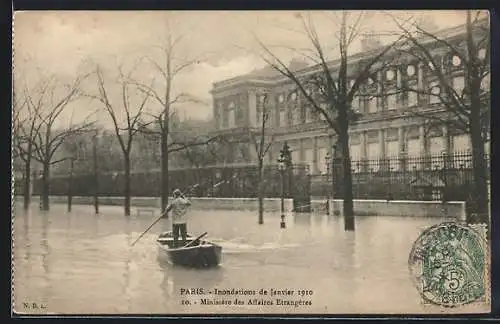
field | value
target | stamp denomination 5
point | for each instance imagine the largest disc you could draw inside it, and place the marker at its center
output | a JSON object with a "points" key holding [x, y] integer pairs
{"points": [[448, 264]]}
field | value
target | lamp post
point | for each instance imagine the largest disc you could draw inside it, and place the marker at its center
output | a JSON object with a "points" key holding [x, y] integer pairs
{"points": [[281, 164], [333, 175], [328, 170]]}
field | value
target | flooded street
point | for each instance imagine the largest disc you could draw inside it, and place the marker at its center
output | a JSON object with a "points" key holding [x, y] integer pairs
{"points": [[82, 263]]}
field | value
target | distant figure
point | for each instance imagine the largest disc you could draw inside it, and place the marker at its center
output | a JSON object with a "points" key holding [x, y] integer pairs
{"points": [[179, 207]]}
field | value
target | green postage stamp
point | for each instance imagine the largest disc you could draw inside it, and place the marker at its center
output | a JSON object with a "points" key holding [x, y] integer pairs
{"points": [[448, 263]]}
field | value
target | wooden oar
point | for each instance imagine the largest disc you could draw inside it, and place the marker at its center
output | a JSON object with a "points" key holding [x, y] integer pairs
{"points": [[156, 221], [196, 239]]}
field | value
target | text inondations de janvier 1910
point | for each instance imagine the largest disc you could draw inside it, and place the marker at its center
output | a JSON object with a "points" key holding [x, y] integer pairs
{"points": [[283, 297]]}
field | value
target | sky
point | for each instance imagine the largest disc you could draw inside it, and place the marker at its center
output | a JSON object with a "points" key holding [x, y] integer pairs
{"points": [[64, 45]]}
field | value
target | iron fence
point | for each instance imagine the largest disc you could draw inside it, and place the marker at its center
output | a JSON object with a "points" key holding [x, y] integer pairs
{"points": [[238, 181], [447, 177], [438, 177]]}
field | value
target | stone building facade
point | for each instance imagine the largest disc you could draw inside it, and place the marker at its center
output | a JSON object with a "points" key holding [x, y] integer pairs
{"points": [[386, 128]]}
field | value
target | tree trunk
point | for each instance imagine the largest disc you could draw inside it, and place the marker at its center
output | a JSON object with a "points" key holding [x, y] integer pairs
{"points": [[96, 177], [480, 194], [348, 206], [126, 189], [45, 186], [164, 190], [261, 192], [70, 185], [27, 184]]}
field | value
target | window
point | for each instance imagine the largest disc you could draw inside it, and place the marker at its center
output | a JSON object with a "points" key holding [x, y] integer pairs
{"points": [[355, 151], [225, 117], [392, 151], [309, 113], [373, 154], [413, 147], [355, 104], [461, 143], [297, 115], [459, 85], [456, 61], [410, 70], [412, 98], [485, 83], [436, 145], [390, 75], [283, 117], [219, 116], [435, 91], [392, 101], [372, 104], [232, 114], [481, 54], [323, 107], [309, 159], [323, 166]]}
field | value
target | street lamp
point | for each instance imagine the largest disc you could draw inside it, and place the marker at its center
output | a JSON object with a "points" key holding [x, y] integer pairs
{"points": [[333, 168], [281, 164]]}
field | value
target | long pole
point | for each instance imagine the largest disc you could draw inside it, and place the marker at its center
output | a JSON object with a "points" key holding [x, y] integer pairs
{"points": [[150, 226]]}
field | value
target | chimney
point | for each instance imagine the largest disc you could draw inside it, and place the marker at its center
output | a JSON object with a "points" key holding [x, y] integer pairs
{"points": [[370, 42]]}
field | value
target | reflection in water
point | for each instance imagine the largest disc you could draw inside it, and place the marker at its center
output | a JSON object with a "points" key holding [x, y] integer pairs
{"points": [[45, 252], [82, 263]]}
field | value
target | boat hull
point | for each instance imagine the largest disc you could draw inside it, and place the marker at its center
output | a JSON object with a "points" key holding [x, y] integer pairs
{"points": [[202, 254]]}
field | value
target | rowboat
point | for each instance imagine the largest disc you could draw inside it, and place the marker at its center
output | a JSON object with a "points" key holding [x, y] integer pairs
{"points": [[196, 253]]}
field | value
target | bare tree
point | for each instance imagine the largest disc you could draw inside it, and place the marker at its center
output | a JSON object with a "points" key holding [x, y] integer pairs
{"points": [[169, 67], [330, 91], [465, 106], [44, 136], [24, 129], [199, 156], [124, 130], [262, 139], [180, 139]]}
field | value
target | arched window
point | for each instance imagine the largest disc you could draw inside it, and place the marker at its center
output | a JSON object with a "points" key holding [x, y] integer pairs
{"points": [[232, 114]]}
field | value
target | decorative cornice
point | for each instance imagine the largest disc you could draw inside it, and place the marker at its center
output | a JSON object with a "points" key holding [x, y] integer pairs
{"points": [[249, 79]]}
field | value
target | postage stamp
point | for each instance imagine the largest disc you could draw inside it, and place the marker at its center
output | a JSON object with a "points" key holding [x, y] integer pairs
{"points": [[448, 263]]}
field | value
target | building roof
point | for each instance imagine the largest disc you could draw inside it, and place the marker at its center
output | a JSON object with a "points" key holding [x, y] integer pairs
{"points": [[268, 73]]}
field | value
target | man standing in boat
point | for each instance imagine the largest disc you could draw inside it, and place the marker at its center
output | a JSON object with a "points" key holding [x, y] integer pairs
{"points": [[179, 207]]}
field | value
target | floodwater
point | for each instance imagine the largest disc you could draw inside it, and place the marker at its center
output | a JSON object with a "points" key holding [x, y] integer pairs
{"points": [[79, 263]]}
